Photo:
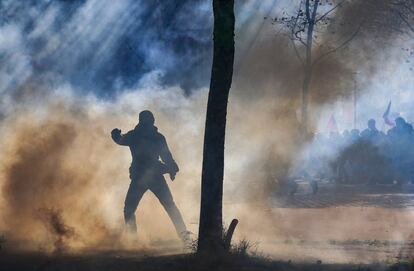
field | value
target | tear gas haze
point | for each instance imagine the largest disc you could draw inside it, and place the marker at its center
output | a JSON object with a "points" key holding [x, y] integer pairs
{"points": [[74, 71]]}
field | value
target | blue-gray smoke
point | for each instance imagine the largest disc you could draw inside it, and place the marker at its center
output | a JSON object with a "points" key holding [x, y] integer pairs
{"points": [[104, 46]]}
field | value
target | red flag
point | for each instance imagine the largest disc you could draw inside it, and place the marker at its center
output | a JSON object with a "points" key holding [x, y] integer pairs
{"points": [[332, 127]]}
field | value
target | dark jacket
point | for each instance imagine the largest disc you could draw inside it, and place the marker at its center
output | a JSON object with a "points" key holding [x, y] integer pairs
{"points": [[147, 147]]}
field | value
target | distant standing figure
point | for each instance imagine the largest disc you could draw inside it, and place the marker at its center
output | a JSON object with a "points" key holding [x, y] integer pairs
{"points": [[151, 158], [371, 132]]}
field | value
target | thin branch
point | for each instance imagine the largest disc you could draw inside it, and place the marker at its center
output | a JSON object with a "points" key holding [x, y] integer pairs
{"points": [[329, 11], [296, 33], [303, 43], [409, 7], [297, 53], [403, 9], [297, 17], [299, 38], [318, 59], [404, 5], [406, 22], [295, 48]]}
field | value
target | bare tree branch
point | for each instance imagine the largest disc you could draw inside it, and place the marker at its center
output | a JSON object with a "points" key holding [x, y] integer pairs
{"points": [[303, 43], [403, 5], [297, 17], [296, 33], [299, 38], [403, 11], [329, 11], [297, 53], [408, 24], [318, 59], [409, 7]]}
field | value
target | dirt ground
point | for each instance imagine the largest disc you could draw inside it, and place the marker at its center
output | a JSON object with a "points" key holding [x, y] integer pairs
{"points": [[339, 228], [340, 224]]}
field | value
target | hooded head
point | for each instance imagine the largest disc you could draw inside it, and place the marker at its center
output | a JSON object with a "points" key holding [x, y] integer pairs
{"points": [[146, 118]]}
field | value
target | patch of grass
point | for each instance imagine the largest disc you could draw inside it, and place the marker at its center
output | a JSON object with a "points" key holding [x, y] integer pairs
{"points": [[245, 247], [192, 245], [242, 247]]}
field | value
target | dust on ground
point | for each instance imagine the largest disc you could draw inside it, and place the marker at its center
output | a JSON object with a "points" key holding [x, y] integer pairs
{"points": [[339, 224]]}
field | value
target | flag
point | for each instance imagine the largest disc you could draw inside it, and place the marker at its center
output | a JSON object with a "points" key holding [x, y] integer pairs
{"points": [[386, 116], [332, 127]]}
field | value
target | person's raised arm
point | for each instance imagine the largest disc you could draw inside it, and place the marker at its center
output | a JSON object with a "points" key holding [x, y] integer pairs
{"points": [[120, 139]]}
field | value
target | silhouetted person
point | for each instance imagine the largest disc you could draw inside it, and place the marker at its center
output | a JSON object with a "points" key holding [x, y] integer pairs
{"points": [[371, 133], [401, 143], [400, 130], [151, 158]]}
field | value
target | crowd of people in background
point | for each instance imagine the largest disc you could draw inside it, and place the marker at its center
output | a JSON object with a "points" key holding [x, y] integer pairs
{"points": [[367, 157]]}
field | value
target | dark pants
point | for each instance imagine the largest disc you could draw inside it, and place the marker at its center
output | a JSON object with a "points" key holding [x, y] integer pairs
{"points": [[157, 184]]}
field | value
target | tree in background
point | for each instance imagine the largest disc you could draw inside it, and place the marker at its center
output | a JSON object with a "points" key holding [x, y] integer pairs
{"points": [[308, 29], [210, 238]]}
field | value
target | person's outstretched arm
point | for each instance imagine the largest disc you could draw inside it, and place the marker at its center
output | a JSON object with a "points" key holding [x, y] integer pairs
{"points": [[167, 158], [120, 139]]}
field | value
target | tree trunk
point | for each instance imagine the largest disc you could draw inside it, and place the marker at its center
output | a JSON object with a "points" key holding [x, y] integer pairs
{"points": [[308, 69], [305, 96], [210, 237]]}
